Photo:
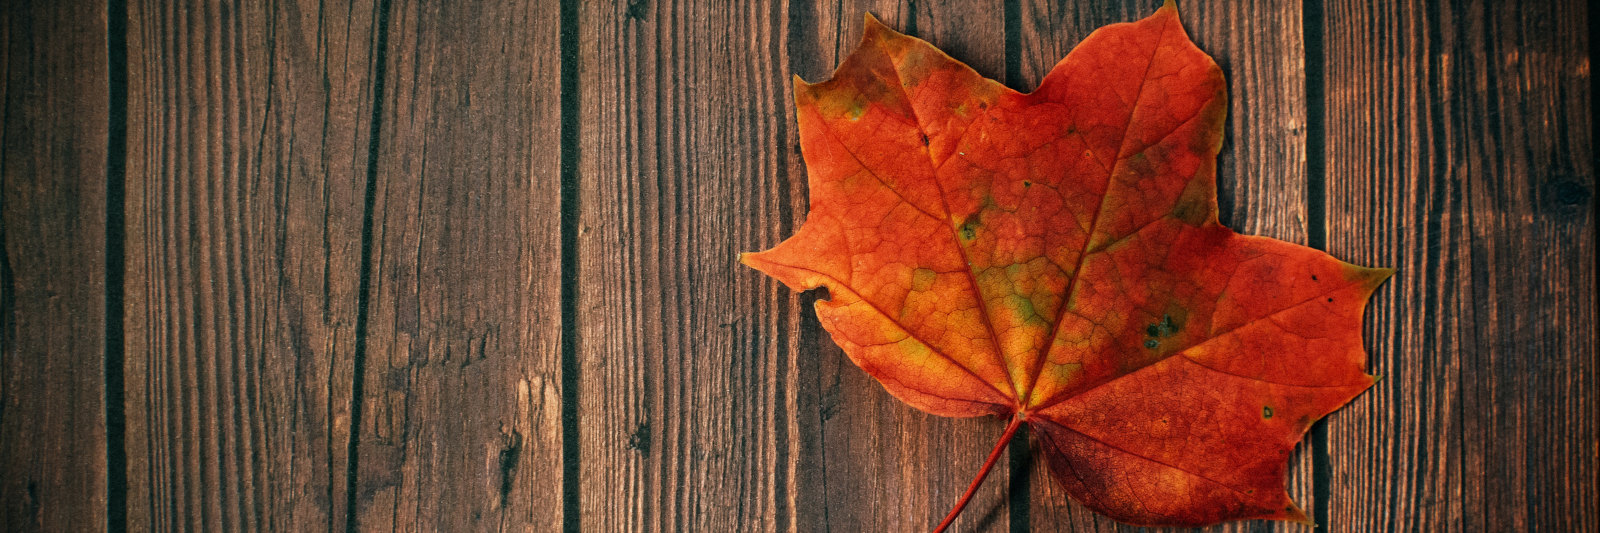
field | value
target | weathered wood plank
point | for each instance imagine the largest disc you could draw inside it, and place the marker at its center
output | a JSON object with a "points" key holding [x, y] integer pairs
{"points": [[1460, 151], [460, 428], [1261, 171], [246, 168], [53, 142], [683, 411]]}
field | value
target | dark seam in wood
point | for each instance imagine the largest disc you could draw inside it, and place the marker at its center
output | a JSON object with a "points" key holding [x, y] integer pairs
{"points": [[569, 208], [784, 510], [1316, 222], [115, 261], [1018, 465], [1020, 484], [364, 292]]}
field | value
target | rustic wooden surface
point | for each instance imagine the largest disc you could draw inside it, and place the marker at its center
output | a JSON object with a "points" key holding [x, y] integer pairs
{"points": [[54, 144], [247, 158], [468, 266], [460, 389], [1459, 150]]}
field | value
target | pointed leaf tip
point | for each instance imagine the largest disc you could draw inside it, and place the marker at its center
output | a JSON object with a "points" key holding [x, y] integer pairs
{"points": [[868, 20], [1168, 8], [874, 29], [1296, 514]]}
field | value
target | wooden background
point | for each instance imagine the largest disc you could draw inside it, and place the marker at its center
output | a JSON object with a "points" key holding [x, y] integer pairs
{"points": [[470, 266]]}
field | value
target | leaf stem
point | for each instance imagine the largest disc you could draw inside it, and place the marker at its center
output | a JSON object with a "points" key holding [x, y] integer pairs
{"points": [[994, 456]]}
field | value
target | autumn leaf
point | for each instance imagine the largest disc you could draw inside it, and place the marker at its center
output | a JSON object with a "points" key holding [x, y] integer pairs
{"points": [[1055, 258]]}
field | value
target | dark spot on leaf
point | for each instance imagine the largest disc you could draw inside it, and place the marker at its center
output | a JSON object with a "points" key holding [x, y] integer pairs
{"points": [[924, 137], [1167, 327], [1330, 300], [969, 228], [640, 439], [1026, 184], [1313, 277], [1266, 411]]}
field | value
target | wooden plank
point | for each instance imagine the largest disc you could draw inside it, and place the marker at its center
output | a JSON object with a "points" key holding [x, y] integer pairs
{"points": [[1261, 171], [682, 406], [53, 194], [705, 401], [461, 427], [1460, 150], [246, 168]]}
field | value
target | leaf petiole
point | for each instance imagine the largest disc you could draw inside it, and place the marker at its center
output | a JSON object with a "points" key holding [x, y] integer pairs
{"points": [[994, 456]]}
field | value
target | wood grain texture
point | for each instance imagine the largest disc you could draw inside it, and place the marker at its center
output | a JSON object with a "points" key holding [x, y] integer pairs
{"points": [[684, 415], [1261, 171], [344, 227], [53, 201], [461, 427], [1460, 150], [246, 164]]}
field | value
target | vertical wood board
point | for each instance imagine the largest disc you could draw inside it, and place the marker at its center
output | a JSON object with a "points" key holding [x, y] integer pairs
{"points": [[248, 128], [1460, 151], [460, 426], [685, 417], [53, 201]]}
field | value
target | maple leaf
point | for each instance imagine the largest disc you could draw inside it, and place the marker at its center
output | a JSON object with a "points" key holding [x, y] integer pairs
{"points": [[1055, 258]]}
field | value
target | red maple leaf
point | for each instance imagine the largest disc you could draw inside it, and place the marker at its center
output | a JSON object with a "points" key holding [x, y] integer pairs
{"points": [[1055, 258]]}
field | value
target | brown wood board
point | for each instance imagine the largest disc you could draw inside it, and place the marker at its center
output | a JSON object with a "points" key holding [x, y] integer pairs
{"points": [[1460, 151], [460, 393], [247, 135], [53, 196]]}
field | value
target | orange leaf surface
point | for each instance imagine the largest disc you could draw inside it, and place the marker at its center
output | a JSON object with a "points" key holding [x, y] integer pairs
{"points": [[1055, 258]]}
